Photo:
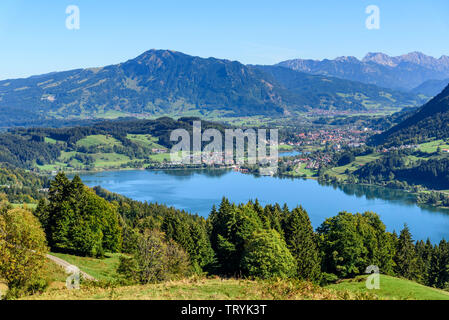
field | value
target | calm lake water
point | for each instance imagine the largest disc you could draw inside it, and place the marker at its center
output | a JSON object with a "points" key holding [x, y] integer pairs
{"points": [[197, 190]]}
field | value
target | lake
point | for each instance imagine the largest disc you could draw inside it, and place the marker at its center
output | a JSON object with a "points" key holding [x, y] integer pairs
{"points": [[197, 190]]}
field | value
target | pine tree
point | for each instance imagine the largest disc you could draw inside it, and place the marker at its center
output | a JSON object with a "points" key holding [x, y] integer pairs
{"points": [[424, 250], [78, 221], [439, 266], [219, 236], [300, 240], [406, 258]]}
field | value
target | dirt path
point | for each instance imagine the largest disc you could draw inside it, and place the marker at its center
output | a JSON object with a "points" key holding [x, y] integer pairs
{"points": [[69, 267]]}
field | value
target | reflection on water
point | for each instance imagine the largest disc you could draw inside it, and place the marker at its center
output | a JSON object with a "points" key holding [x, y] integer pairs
{"points": [[377, 192], [187, 173]]}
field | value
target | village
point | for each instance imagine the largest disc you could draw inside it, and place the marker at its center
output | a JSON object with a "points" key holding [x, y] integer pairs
{"points": [[316, 147]]}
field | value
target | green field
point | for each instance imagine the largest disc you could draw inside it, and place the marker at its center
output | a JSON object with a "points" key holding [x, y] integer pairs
{"points": [[160, 157], [98, 141], [107, 160], [353, 166], [431, 147], [301, 171], [238, 289], [304, 171], [101, 269], [393, 289], [111, 114], [50, 140], [57, 166], [285, 147], [145, 140]]}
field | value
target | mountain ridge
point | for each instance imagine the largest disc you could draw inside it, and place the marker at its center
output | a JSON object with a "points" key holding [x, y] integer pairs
{"points": [[166, 82], [404, 72], [430, 122]]}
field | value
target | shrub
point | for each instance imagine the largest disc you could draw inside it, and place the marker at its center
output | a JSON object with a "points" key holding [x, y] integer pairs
{"points": [[154, 260], [22, 252]]}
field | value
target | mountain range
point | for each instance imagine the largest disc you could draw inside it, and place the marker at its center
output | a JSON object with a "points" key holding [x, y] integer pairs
{"points": [[405, 72], [164, 82]]}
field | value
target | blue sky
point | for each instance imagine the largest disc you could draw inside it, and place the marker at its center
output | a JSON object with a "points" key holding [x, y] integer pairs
{"points": [[34, 38]]}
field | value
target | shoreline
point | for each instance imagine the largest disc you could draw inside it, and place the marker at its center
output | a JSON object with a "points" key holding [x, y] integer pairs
{"points": [[282, 176]]}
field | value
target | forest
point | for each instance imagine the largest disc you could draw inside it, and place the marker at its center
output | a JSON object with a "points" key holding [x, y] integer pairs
{"points": [[432, 173], [28, 147]]}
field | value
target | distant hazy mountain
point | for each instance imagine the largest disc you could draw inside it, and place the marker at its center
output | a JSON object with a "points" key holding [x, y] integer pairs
{"points": [[403, 72], [431, 88], [323, 91], [162, 82], [429, 122]]}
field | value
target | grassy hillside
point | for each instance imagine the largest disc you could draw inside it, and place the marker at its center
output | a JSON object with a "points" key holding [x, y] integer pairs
{"points": [[200, 288], [98, 140], [194, 288], [424, 125], [101, 269], [431, 147], [392, 289], [205, 289], [234, 289]]}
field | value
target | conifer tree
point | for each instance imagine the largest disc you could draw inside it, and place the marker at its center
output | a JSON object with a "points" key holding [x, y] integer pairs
{"points": [[78, 221], [300, 240], [406, 258], [439, 266], [424, 250]]}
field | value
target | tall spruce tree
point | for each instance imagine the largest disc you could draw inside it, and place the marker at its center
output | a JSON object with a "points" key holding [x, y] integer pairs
{"points": [[424, 250], [231, 226], [406, 259], [300, 239], [439, 266]]}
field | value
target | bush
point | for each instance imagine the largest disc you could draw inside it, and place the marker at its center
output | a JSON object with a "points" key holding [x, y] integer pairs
{"points": [[154, 260], [22, 252], [328, 278]]}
